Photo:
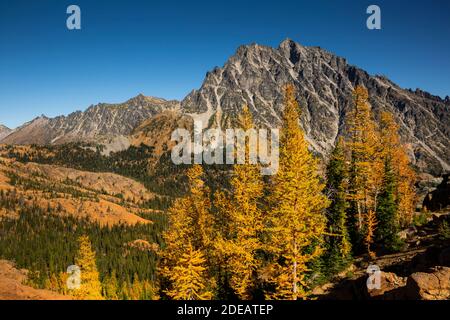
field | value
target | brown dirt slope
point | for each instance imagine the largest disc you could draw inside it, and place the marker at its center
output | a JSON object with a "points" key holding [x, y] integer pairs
{"points": [[105, 198], [12, 286]]}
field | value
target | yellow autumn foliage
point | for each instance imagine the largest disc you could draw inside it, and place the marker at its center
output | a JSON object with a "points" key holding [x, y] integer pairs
{"points": [[241, 206], [191, 229], [90, 288], [296, 217]]}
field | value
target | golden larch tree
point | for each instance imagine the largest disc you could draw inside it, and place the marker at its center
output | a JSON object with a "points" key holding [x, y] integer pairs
{"points": [[366, 166], [240, 244], [91, 288], [395, 152], [189, 277], [191, 225], [296, 220]]}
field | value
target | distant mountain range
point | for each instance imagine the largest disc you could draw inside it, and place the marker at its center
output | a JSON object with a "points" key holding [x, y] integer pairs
{"points": [[97, 123], [254, 76]]}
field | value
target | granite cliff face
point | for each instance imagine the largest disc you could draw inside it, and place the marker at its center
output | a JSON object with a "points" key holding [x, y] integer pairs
{"points": [[255, 75]]}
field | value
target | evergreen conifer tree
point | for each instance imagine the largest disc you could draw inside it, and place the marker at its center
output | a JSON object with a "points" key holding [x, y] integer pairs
{"points": [[338, 252]]}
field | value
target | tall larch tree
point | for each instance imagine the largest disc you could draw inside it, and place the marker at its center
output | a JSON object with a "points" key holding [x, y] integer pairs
{"points": [[241, 243], [338, 241], [191, 226], [365, 173], [91, 288], [395, 153], [296, 220]]}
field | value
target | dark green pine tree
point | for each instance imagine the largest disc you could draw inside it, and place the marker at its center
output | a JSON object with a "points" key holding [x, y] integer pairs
{"points": [[338, 242], [387, 224]]}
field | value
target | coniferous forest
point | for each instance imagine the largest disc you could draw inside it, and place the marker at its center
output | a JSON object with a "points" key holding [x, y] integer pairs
{"points": [[46, 243]]}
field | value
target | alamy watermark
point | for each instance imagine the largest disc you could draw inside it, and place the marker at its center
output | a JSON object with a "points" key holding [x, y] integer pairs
{"points": [[74, 279], [73, 21], [214, 146], [374, 20], [374, 279]]}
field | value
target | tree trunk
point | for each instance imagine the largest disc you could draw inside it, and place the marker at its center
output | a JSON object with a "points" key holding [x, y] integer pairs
{"points": [[294, 275]]}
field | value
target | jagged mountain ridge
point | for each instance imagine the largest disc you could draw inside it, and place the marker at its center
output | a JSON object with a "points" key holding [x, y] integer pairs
{"points": [[255, 75], [4, 131], [99, 122]]}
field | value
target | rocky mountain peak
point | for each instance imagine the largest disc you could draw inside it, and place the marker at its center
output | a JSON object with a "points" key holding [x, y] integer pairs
{"points": [[39, 119], [42, 117], [256, 74], [141, 99], [288, 42]]}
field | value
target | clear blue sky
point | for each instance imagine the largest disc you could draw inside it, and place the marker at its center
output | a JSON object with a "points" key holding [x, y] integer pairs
{"points": [[164, 48]]}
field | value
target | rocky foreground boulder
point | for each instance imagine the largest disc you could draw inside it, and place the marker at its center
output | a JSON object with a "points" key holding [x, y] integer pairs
{"points": [[429, 286], [390, 282], [433, 285]]}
